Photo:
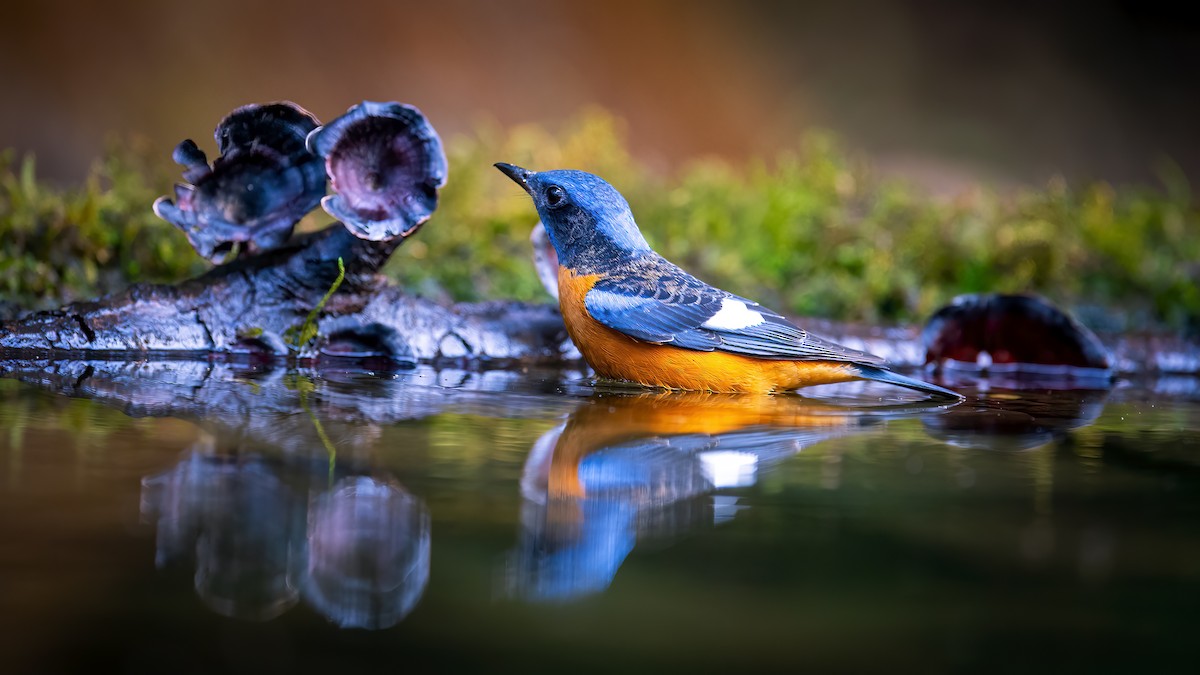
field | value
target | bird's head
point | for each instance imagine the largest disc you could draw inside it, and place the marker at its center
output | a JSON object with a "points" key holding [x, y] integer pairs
{"points": [[586, 218]]}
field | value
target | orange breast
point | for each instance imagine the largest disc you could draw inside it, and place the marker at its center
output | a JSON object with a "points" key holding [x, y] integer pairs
{"points": [[616, 356]]}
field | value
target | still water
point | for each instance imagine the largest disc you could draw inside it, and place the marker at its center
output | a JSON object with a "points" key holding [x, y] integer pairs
{"points": [[188, 516]]}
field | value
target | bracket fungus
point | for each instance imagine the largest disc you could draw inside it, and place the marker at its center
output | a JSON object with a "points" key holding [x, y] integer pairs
{"points": [[264, 181], [386, 163]]}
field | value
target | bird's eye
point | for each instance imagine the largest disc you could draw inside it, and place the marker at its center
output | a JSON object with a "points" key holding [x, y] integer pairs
{"points": [[555, 196]]}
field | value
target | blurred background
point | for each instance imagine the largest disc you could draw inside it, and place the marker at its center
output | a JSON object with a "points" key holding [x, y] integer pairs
{"points": [[849, 159], [940, 91]]}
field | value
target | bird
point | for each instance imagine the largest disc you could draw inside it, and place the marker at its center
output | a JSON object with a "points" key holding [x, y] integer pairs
{"points": [[637, 317]]}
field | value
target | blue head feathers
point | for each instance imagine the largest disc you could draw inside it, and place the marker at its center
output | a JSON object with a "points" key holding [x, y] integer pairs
{"points": [[585, 217]]}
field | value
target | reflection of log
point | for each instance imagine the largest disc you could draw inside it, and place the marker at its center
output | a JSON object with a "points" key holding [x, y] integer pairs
{"points": [[248, 305], [276, 405]]}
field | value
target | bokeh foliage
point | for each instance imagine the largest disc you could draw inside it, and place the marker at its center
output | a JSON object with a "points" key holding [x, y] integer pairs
{"points": [[65, 244], [811, 231]]}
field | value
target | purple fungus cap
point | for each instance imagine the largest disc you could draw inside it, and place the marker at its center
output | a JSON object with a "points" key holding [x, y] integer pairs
{"points": [[282, 126], [386, 164], [263, 183]]}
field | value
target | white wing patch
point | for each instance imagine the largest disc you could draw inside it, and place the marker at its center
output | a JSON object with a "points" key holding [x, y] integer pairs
{"points": [[729, 468], [733, 315]]}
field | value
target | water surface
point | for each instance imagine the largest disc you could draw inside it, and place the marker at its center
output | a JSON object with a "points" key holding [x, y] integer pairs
{"points": [[188, 516]]}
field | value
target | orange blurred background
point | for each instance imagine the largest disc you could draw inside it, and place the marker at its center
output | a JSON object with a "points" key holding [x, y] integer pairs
{"points": [[943, 92]]}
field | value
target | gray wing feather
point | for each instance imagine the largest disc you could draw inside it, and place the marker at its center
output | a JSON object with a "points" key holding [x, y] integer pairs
{"points": [[657, 302]]}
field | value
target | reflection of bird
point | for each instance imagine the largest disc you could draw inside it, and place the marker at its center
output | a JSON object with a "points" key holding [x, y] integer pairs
{"points": [[635, 316], [708, 418], [626, 467]]}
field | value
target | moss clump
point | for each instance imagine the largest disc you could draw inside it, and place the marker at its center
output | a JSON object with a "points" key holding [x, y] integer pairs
{"points": [[64, 244], [811, 231]]}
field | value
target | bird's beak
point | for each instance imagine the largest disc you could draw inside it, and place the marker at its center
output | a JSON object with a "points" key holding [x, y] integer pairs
{"points": [[520, 176]]}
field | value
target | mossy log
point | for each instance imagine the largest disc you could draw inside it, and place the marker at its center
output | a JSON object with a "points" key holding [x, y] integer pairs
{"points": [[256, 305]]}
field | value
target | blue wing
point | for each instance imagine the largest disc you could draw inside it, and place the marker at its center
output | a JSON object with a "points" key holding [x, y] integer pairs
{"points": [[652, 300]]}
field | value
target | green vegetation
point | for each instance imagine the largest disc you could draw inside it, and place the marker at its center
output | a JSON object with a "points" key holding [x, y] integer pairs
{"points": [[59, 245], [811, 231], [300, 335]]}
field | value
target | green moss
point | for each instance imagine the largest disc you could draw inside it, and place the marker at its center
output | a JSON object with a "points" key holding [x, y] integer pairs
{"points": [[65, 244], [69, 244], [812, 231], [300, 335]]}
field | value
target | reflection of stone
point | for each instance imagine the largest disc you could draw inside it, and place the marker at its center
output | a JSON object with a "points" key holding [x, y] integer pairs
{"points": [[627, 468], [368, 553], [1008, 422], [362, 560]]}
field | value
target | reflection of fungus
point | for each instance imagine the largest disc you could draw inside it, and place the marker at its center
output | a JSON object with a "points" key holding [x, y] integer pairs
{"points": [[263, 183], [238, 520], [386, 164], [362, 560], [368, 553]]}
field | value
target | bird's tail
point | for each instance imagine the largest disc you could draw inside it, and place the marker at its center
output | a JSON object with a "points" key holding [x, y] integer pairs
{"points": [[881, 375]]}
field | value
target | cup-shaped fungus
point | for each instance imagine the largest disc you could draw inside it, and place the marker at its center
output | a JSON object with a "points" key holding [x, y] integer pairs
{"points": [[386, 163], [264, 181]]}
